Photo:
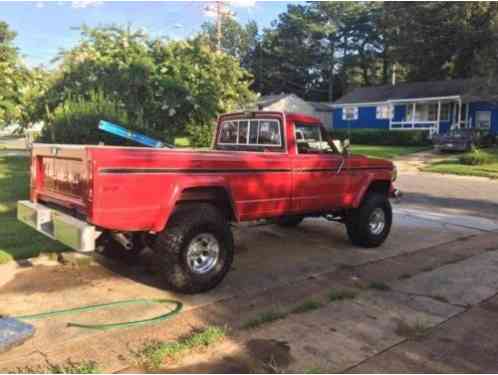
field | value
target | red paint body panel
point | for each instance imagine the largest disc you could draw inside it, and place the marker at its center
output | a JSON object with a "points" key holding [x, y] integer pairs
{"points": [[136, 189]]}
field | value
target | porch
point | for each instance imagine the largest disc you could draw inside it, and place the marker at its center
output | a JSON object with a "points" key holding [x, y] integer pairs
{"points": [[438, 115]]}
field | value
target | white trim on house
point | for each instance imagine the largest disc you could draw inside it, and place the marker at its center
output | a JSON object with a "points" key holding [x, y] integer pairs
{"points": [[431, 99], [364, 104]]}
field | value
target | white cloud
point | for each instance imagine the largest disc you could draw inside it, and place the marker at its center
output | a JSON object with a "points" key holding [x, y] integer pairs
{"points": [[85, 3], [243, 3], [40, 4]]}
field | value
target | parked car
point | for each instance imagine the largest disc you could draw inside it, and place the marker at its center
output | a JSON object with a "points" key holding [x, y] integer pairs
{"points": [[456, 140], [181, 203]]}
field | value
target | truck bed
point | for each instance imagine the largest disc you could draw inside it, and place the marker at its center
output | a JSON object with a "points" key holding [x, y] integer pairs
{"points": [[134, 188]]}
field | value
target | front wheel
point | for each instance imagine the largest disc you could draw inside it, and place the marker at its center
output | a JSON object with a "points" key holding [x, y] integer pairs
{"points": [[370, 224], [195, 251]]}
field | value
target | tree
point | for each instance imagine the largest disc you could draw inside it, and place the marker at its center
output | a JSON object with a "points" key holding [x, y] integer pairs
{"points": [[440, 40], [13, 77], [166, 87], [238, 40]]}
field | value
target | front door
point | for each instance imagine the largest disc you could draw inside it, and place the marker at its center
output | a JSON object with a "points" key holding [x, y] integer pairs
{"points": [[318, 184]]}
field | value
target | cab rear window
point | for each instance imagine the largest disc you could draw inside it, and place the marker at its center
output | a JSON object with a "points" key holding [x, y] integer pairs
{"points": [[251, 134]]}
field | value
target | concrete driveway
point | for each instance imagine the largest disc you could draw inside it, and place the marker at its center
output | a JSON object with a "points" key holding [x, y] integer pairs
{"points": [[434, 268]]}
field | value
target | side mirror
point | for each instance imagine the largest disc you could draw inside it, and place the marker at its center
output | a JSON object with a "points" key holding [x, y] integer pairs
{"points": [[346, 147]]}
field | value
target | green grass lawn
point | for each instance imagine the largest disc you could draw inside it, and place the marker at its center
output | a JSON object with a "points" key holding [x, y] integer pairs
{"points": [[453, 166], [182, 142], [17, 240], [386, 152]]}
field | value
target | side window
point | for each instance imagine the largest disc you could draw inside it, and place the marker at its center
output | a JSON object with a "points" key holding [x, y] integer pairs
{"points": [[308, 139], [228, 133], [311, 140]]}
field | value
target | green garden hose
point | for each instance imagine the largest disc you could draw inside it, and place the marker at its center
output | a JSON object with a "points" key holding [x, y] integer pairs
{"points": [[178, 306]]}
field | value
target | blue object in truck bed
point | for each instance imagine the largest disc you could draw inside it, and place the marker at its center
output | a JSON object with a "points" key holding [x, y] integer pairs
{"points": [[128, 134], [13, 332]]}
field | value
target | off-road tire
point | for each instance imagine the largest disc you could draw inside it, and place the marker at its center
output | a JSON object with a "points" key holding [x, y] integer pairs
{"points": [[357, 221], [171, 245], [289, 221]]}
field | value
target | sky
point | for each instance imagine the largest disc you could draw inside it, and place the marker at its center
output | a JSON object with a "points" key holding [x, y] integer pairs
{"points": [[44, 27]]}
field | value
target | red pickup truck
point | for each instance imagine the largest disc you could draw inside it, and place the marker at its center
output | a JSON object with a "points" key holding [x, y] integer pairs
{"points": [[276, 166]]}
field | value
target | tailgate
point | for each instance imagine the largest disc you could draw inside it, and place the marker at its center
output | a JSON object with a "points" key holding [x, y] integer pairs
{"points": [[60, 175]]}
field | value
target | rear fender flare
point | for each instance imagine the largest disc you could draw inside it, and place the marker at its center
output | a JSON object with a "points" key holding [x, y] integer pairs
{"points": [[167, 207]]}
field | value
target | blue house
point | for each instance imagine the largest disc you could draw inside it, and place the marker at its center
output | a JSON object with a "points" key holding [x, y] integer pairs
{"points": [[436, 106]]}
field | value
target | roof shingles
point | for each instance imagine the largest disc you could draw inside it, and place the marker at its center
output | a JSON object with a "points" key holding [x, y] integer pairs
{"points": [[412, 90]]}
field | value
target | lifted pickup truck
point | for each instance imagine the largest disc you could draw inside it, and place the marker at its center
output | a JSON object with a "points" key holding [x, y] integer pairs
{"points": [[276, 166]]}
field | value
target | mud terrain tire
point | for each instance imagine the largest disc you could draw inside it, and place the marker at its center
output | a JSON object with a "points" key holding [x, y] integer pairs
{"points": [[370, 224], [182, 237]]}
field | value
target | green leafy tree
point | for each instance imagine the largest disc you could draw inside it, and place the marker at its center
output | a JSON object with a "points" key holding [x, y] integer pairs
{"points": [[440, 40], [13, 77], [237, 40], [167, 88]]}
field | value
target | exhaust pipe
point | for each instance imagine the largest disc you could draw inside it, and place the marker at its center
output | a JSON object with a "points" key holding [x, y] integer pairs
{"points": [[126, 242]]}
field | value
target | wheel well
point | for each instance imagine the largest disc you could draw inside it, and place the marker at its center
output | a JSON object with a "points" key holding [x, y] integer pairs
{"points": [[381, 187], [217, 196]]}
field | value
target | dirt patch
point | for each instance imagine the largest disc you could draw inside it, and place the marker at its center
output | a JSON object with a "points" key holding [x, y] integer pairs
{"points": [[47, 279]]}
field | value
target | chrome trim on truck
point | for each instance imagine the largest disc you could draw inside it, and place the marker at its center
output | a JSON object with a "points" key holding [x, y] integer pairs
{"points": [[66, 229]]}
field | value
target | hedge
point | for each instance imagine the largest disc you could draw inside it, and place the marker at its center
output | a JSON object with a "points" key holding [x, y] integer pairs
{"points": [[76, 122], [383, 137]]}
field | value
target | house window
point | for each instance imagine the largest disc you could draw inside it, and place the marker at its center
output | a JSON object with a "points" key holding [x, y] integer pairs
{"points": [[424, 112], [483, 119], [384, 112], [350, 113]]}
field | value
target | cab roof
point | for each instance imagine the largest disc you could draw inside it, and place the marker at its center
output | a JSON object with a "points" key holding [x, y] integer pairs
{"points": [[293, 116]]}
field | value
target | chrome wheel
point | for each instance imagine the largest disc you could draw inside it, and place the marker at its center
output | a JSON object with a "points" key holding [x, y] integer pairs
{"points": [[377, 221], [202, 253]]}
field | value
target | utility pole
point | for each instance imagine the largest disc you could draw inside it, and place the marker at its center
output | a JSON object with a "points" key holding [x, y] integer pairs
{"points": [[218, 26], [219, 10]]}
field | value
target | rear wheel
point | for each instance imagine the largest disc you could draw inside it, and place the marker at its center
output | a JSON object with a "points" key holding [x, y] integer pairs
{"points": [[289, 221], [370, 224], [195, 250]]}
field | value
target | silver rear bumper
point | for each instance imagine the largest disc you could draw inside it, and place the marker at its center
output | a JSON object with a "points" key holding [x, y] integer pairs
{"points": [[66, 229]]}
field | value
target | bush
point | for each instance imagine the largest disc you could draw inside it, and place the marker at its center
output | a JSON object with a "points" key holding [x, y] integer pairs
{"points": [[200, 135], [383, 137], [76, 121], [475, 157]]}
